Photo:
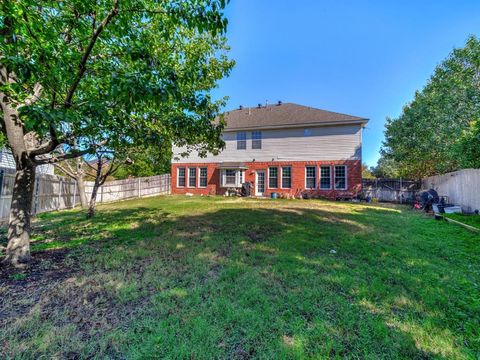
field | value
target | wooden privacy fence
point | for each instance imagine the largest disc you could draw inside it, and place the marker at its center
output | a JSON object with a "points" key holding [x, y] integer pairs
{"points": [[391, 190], [53, 192]]}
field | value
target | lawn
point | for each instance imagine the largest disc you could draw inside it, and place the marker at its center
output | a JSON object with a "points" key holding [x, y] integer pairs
{"points": [[472, 220], [227, 278]]}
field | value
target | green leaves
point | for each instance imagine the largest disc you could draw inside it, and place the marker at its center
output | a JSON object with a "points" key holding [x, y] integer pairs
{"points": [[423, 140], [150, 69]]}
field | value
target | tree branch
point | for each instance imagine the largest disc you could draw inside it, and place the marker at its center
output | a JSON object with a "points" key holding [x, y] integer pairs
{"points": [[47, 147], [72, 155], [65, 171], [88, 51], [37, 92]]}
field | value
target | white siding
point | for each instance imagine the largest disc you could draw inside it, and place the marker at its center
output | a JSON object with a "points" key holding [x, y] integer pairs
{"points": [[318, 143], [7, 161]]}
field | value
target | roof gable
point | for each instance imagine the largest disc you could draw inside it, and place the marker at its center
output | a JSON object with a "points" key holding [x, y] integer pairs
{"points": [[285, 115]]}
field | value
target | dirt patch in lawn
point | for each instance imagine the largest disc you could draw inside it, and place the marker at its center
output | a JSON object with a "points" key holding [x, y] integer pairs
{"points": [[20, 289]]}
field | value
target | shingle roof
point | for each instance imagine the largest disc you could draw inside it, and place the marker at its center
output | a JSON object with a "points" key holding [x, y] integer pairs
{"points": [[285, 115]]}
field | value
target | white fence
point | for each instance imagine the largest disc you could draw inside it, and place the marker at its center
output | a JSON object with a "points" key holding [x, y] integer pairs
{"points": [[391, 190], [462, 187], [53, 192]]}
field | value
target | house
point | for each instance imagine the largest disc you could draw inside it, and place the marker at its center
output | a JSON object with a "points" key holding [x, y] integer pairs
{"points": [[283, 148], [8, 162]]}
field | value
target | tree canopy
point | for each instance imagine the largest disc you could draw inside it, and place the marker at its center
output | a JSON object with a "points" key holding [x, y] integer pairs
{"points": [[424, 139], [115, 70], [82, 74]]}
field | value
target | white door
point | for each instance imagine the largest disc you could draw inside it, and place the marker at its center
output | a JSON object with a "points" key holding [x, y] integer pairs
{"points": [[260, 183]]}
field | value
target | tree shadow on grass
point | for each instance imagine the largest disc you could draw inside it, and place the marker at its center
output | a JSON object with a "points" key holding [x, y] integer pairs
{"points": [[265, 281]]}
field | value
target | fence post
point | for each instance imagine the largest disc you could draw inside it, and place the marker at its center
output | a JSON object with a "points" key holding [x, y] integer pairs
{"points": [[74, 193], [37, 181], [59, 193], [139, 195], [401, 190], [1, 181]]}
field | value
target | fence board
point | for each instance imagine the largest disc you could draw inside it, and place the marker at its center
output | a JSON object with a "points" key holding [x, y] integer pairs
{"points": [[391, 190], [53, 192]]}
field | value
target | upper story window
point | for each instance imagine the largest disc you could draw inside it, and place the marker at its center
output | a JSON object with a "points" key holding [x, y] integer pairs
{"points": [[310, 177], [340, 177], [256, 139], [241, 140]]}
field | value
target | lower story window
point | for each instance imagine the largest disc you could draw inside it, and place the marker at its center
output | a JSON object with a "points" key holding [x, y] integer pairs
{"points": [[181, 177], [192, 177], [203, 177], [340, 177], [325, 178], [286, 177], [230, 177], [310, 177], [272, 177]]}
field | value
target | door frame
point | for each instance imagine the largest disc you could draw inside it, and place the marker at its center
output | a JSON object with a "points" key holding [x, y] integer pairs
{"points": [[264, 182]]}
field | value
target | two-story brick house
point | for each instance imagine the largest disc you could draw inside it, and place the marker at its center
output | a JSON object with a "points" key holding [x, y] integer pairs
{"points": [[283, 148]]}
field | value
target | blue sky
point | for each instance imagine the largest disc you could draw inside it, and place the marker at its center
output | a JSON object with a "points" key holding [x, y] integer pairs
{"points": [[362, 58]]}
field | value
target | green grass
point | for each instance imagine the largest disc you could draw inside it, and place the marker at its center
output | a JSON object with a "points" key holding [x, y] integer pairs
{"points": [[472, 220], [205, 278]]}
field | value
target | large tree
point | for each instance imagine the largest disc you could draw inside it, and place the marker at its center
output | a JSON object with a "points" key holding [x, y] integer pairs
{"points": [[79, 74], [422, 140]]}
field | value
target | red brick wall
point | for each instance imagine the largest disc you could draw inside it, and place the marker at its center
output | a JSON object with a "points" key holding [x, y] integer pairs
{"points": [[354, 177]]}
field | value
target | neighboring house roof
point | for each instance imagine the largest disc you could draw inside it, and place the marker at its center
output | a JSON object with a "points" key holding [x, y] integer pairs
{"points": [[285, 115]]}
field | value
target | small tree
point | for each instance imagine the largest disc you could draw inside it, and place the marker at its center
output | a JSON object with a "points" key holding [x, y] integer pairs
{"points": [[73, 71], [105, 164]]}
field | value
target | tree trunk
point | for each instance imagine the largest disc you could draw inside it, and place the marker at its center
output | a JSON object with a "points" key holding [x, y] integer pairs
{"points": [[93, 199], [19, 227], [81, 190]]}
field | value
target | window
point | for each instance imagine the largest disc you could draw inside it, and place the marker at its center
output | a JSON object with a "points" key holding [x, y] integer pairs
{"points": [[203, 177], [256, 139], [310, 177], [340, 177], [181, 177], [325, 178], [307, 132], [241, 140], [272, 177], [286, 177], [230, 177], [192, 177]]}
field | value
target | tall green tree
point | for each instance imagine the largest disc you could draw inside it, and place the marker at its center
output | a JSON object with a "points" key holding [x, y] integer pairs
{"points": [[422, 140], [81, 74]]}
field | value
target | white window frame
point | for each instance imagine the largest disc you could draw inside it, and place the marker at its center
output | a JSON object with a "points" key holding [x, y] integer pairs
{"points": [[239, 176], [199, 176], [335, 177], [268, 177], [184, 176], [188, 177], [281, 177], [315, 182], [259, 139], [320, 177]]}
